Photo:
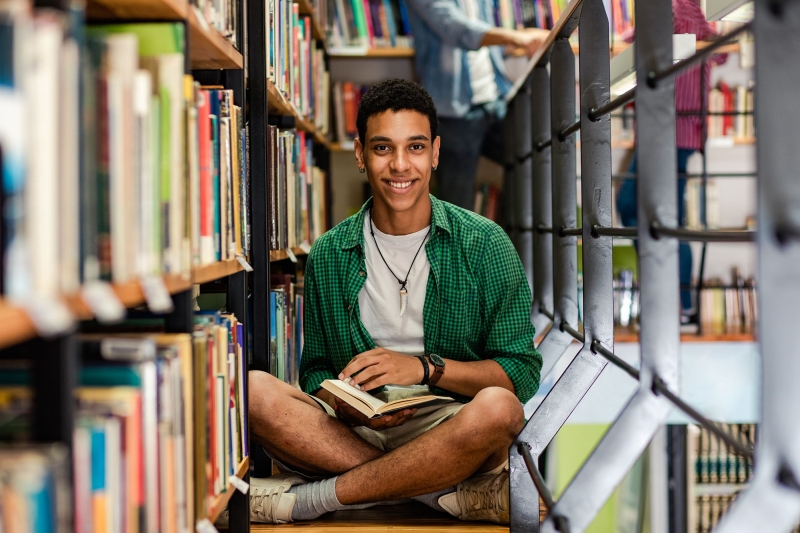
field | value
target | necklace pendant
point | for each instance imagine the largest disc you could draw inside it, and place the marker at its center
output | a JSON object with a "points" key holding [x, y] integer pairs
{"points": [[403, 300]]}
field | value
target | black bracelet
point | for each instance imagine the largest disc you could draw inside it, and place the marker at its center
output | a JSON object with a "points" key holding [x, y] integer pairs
{"points": [[424, 368]]}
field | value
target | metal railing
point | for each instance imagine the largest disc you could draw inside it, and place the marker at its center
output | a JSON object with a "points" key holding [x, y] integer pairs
{"points": [[542, 107]]}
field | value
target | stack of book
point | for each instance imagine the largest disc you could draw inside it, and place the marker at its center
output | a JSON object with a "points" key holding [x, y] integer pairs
{"points": [[364, 24], [160, 426], [346, 97], [286, 327], [731, 308], [223, 15], [35, 495], [116, 164], [719, 474], [297, 190], [297, 63], [488, 201], [737, 99]]}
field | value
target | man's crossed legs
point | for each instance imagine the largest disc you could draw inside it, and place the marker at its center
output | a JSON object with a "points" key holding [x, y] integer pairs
{"points": [[296, 431]]}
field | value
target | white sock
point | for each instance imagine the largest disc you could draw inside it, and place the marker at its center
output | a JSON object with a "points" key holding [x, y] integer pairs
{"points": [[316, 499]]}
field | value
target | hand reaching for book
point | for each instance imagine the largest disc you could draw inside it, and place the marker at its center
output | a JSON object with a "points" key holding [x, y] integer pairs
{"points": [[354, 418], [380, 367]]}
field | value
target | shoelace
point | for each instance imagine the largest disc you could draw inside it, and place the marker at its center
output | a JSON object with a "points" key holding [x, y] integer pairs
{"points": [[481, 500], [257, 501]]}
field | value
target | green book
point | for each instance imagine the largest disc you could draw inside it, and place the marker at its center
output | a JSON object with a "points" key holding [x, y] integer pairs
{"points": [[155, 38], [361, 22]]}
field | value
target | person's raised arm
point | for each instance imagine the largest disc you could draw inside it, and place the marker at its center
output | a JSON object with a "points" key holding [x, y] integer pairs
{"points": [[454, 27]]}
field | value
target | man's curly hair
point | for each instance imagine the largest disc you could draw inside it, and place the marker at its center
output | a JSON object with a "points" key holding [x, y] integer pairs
{"points": [[395, 95]]}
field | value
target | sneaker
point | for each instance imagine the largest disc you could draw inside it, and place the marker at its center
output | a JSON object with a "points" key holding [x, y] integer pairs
{"points": [[270, 500], [482, 497]]}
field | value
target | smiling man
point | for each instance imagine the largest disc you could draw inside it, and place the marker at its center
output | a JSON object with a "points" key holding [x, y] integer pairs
{"points": [[408, 296]]}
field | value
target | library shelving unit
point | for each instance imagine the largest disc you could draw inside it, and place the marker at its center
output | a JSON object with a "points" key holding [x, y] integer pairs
{"points": [[55, 359]]}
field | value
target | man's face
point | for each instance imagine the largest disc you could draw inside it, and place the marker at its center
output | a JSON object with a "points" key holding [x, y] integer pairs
{"points": [[398, 153]]}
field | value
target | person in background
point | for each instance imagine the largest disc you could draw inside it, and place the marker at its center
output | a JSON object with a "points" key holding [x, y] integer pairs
{"points": [[687, 18], [460, 65]]}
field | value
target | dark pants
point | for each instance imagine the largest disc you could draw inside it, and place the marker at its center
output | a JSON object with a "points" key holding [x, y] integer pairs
{"points": [[626, 206], [463, 141]]}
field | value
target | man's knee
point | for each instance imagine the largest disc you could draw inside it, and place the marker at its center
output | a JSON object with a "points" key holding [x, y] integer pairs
{"points": [[501, 409], [265, 393]]}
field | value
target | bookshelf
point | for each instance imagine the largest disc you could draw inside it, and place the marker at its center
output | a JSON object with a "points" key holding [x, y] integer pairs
{"points": [[57, 364], [282, 255], [208, 49], [221, 501], [305, 8], [371, 53], [278, 105]]}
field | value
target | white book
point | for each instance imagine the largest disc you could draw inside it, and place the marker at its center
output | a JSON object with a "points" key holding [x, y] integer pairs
{"points": [[225, 189], [147, 256], [115, 468], [123, 62], [373, 407], [193, 151], [167, 70], [70, 242], [41, 192]]}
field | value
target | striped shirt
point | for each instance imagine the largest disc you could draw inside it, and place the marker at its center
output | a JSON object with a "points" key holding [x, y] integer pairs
{"points": [[689, 18]]}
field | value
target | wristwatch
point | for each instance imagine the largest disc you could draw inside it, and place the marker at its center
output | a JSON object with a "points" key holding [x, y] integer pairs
{"points": [[438, 369]]}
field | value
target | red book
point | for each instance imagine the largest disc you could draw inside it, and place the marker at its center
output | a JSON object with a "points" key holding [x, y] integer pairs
{"points": [[370, 30], [350, 108], [206, 172]]}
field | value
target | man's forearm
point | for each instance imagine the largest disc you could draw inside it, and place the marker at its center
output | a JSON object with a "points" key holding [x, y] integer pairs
{"points": [[501, 36], [469, 378]]}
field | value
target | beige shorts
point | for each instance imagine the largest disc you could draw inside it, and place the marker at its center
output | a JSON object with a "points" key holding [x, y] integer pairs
{"points": [[423, 420]]}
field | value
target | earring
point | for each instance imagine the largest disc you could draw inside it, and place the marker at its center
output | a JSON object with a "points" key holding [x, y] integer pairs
{"points": [[434, 168], [362, 170]]}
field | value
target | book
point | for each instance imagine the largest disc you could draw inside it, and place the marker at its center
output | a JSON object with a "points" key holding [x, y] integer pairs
{"points": [[372, 407]]}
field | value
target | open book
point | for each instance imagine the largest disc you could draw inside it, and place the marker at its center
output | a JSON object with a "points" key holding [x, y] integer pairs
{"points": [[372, 407]]}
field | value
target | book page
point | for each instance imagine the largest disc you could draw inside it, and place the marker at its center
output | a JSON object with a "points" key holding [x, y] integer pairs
{"points": [[341, 389]]}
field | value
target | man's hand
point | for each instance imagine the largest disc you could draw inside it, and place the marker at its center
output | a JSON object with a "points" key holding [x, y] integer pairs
{"points": [[354, 417], [530, 40], [381, 367]]}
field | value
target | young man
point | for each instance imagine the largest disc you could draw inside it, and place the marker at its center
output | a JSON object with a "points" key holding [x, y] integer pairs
{"points": [[410, 291]]}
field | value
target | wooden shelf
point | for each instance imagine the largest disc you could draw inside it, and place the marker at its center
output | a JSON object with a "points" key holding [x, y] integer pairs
{"points": [[359, 52], [215, 271], [221, 501], [632, 336], [208, 49], [278, 105], [17, 327], [280, 255], [305, 8], [160, 10]]}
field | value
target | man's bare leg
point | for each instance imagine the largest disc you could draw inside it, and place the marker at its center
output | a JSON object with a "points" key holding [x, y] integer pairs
{"points": [[475, 439], [296, 431]]}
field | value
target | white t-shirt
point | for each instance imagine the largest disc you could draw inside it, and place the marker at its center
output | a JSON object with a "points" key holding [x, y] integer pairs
{"points": [[379, 299], [481, 71]]}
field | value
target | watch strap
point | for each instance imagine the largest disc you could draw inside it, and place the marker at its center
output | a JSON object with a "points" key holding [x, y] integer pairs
{"points": [[424, 362], [438, 372]]}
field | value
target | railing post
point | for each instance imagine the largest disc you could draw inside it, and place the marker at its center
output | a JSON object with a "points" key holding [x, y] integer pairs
{"points": [[524, 178], [542, 198], [510, 214], [565, 249], [772, 501], [624, 442]]}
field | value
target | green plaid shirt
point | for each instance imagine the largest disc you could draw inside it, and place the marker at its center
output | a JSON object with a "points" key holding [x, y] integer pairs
{"points": [[477, 301]]}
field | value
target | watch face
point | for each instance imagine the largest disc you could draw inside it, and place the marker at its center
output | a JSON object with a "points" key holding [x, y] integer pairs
{"points": [[436, 360]]}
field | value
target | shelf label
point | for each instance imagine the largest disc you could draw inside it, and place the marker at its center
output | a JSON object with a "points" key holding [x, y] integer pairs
{"points": [[240, 484], [103, 301], [305, 247], [292, 257], [242, 261], [50, 316], [156, 294], [205, 526]]}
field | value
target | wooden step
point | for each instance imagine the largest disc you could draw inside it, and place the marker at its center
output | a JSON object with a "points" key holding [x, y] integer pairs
{"points": [[412, 517]]}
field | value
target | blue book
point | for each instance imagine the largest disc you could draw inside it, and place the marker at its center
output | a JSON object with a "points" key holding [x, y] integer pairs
{"points": [[273, 333], [404, 17]]}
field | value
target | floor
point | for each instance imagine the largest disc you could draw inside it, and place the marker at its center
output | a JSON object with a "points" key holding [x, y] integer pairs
{"points": [[412, 517]]}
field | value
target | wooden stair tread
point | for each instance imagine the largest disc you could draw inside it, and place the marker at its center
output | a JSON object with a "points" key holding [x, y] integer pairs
{"points": [[414, 517]]}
